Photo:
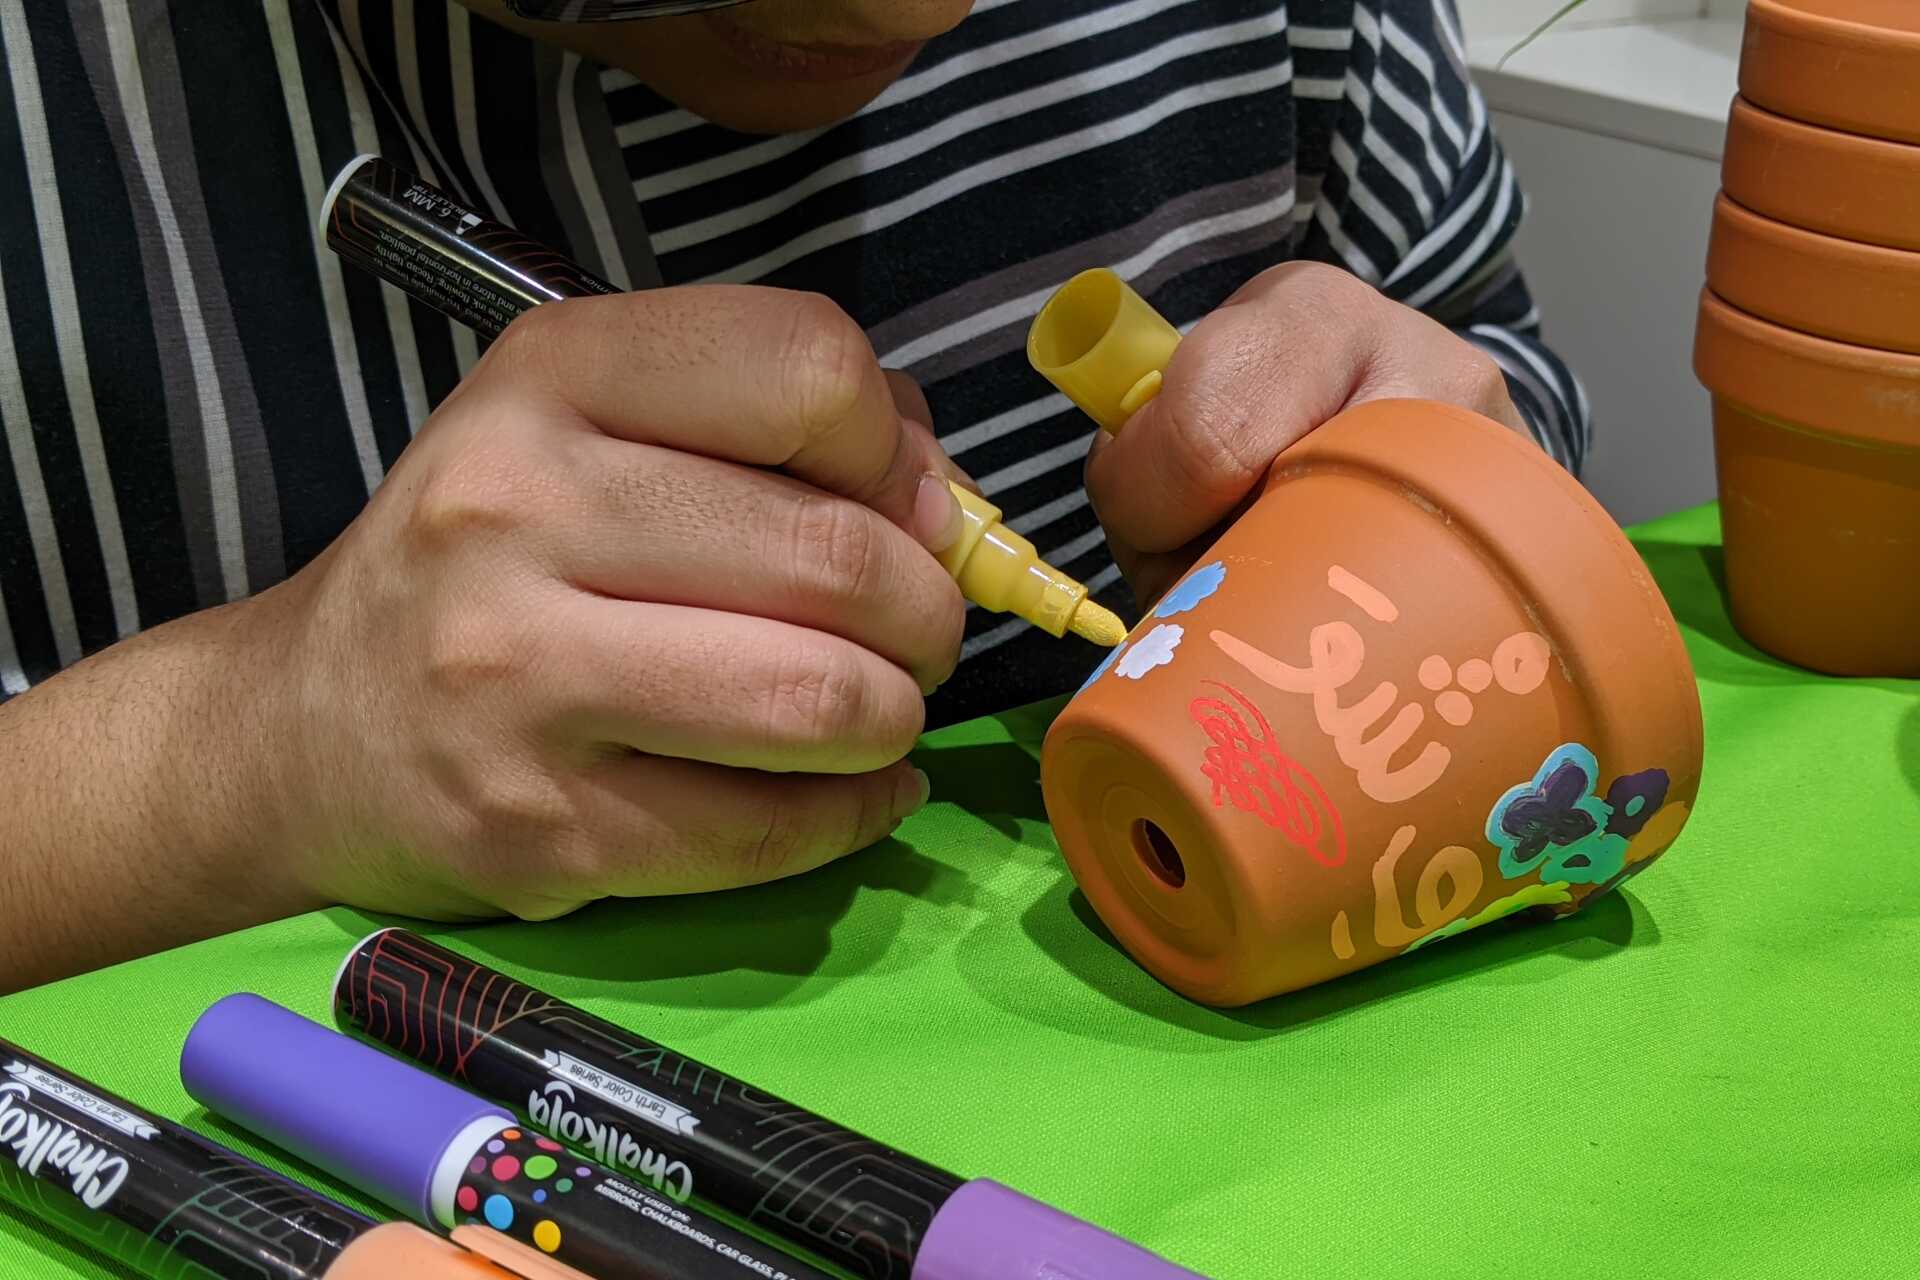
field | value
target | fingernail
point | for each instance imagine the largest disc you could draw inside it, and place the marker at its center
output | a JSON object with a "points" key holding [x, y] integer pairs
{"points": [[910, 792], [936, 513]]}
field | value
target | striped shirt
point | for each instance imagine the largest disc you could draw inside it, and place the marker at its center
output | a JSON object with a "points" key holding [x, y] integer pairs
{"points": [[198, 397]]}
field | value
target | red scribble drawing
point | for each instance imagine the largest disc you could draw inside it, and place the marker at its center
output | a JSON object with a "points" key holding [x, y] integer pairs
{"points": [[1262, 780]]}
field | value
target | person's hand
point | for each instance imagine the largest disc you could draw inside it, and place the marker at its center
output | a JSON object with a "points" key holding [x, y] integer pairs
{"points": [[646, 607], [1293, 347]]}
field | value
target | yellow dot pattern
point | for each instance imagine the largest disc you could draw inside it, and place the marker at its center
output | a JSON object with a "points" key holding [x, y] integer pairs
{"points": [[546, 1234]]}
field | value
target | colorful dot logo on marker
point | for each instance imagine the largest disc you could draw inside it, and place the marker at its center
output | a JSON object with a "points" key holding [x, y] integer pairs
{"points": [[511, 1135], [479, 1163], [540, 1196], [496, 1146], [546, 1234], [546, 1144], [499, 1211], [540, 1167], [467, 1198], [563, 1186], [583, 1172], [505, 1167]]}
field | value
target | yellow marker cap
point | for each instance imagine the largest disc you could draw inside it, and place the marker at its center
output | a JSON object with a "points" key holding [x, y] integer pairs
{"points": [[1100, 343]]}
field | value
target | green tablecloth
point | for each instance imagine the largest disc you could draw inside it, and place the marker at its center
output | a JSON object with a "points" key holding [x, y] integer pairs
{"points": [[1713, 1073]]}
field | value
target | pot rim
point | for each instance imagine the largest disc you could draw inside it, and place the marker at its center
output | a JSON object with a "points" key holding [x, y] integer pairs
{"points": [[1820, 136], [1798, 22], [1838, 389], [1817, 243]]}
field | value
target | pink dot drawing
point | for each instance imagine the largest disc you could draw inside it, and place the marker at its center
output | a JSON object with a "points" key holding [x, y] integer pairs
{"points": [[505, 1167], [1435, 674], [1520, 662], [1475, 674], [546, 1144], [1455, 707], [467, 1198]]}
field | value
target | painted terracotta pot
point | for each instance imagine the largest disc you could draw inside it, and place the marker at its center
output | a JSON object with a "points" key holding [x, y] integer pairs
{"points": [[1863, 294], [1423, 683], [1852, 65], [1838, 184], [1818, 449]]}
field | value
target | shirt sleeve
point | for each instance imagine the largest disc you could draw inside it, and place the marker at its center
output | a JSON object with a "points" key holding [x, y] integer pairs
{"points": [[1415, 195]]}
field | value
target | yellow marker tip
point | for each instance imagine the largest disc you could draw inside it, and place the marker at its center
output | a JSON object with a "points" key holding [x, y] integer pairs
{"points": [[1097, 623]]}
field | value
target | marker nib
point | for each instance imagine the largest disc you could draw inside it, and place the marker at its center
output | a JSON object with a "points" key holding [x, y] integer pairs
{"points": [[1098, 624]]}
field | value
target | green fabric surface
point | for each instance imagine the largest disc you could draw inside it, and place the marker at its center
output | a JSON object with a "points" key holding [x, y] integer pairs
{"points": [[1715, 1072]]}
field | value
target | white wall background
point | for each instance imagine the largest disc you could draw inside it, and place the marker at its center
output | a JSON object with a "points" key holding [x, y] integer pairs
{"points": [[1620, 167]]}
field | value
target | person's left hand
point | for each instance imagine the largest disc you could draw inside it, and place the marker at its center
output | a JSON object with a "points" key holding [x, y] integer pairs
{"points": [[1293, 347]]}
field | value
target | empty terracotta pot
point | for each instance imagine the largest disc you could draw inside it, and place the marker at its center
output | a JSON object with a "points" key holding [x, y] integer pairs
{"points": [[1818, 449], [1846, 64], [1857, 293], [1838, 184], [1422, 684]]}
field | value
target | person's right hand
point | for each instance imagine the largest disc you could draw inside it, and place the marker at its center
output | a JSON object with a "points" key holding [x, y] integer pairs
{"points": [[646, 607]]}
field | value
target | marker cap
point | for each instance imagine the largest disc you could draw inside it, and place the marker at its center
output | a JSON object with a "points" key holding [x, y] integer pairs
{"points": [[1100, 343], [989, 1232], [342, 1106]]}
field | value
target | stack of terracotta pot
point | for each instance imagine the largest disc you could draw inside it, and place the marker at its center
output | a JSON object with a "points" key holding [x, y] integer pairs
{"points": [[1809, 335]]}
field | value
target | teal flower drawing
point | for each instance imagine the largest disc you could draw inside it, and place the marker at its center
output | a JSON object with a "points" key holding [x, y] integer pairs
{"points": [[1192, 589], [1556, 825]]}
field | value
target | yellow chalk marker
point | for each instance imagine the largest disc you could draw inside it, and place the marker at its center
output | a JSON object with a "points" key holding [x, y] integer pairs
{"points": [[998, 569], [1099, 342]]}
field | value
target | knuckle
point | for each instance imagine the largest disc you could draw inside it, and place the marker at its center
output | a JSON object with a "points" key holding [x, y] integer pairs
{"points": [[774, 839], [825, 365], [1333, 285], [1216, 451], [529, 343], [818, 696], [837, 550], [477, 490], [1485, 379], [471, 654]]}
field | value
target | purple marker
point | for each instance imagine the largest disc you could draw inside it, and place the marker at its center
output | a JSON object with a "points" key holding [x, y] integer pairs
{"points": [[446, 1158]]}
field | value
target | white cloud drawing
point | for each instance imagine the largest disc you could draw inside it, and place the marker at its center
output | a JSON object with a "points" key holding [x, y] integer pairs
{"points": [[1154, 649]]}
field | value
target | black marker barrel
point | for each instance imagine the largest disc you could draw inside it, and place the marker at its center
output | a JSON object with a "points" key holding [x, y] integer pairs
{"points": [[671, 1123], [420, 240], [150, 1194]]}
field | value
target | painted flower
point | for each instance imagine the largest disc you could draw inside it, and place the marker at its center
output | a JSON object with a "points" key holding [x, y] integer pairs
{"points": [[1154, 649], [1596, 858], [1649, 844], [1105, 663], [1192, 589], [1534, 895], [1634, 799], [1556, 811]]}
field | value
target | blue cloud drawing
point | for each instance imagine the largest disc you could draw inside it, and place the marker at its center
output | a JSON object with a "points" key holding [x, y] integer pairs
{"points": [[1194, 588]]}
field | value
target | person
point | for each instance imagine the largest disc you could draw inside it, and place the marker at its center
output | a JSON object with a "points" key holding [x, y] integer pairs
{"points": [[306, 599]]}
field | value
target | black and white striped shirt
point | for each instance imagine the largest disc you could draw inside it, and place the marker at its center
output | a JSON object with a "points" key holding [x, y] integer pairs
{"points": [[197, 397]]}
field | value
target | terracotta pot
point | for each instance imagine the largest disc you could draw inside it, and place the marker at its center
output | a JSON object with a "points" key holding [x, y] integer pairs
{"points": [[1839, 184], [1858, 293], [1846, 64], [1818, 447], [1423, 683]]}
